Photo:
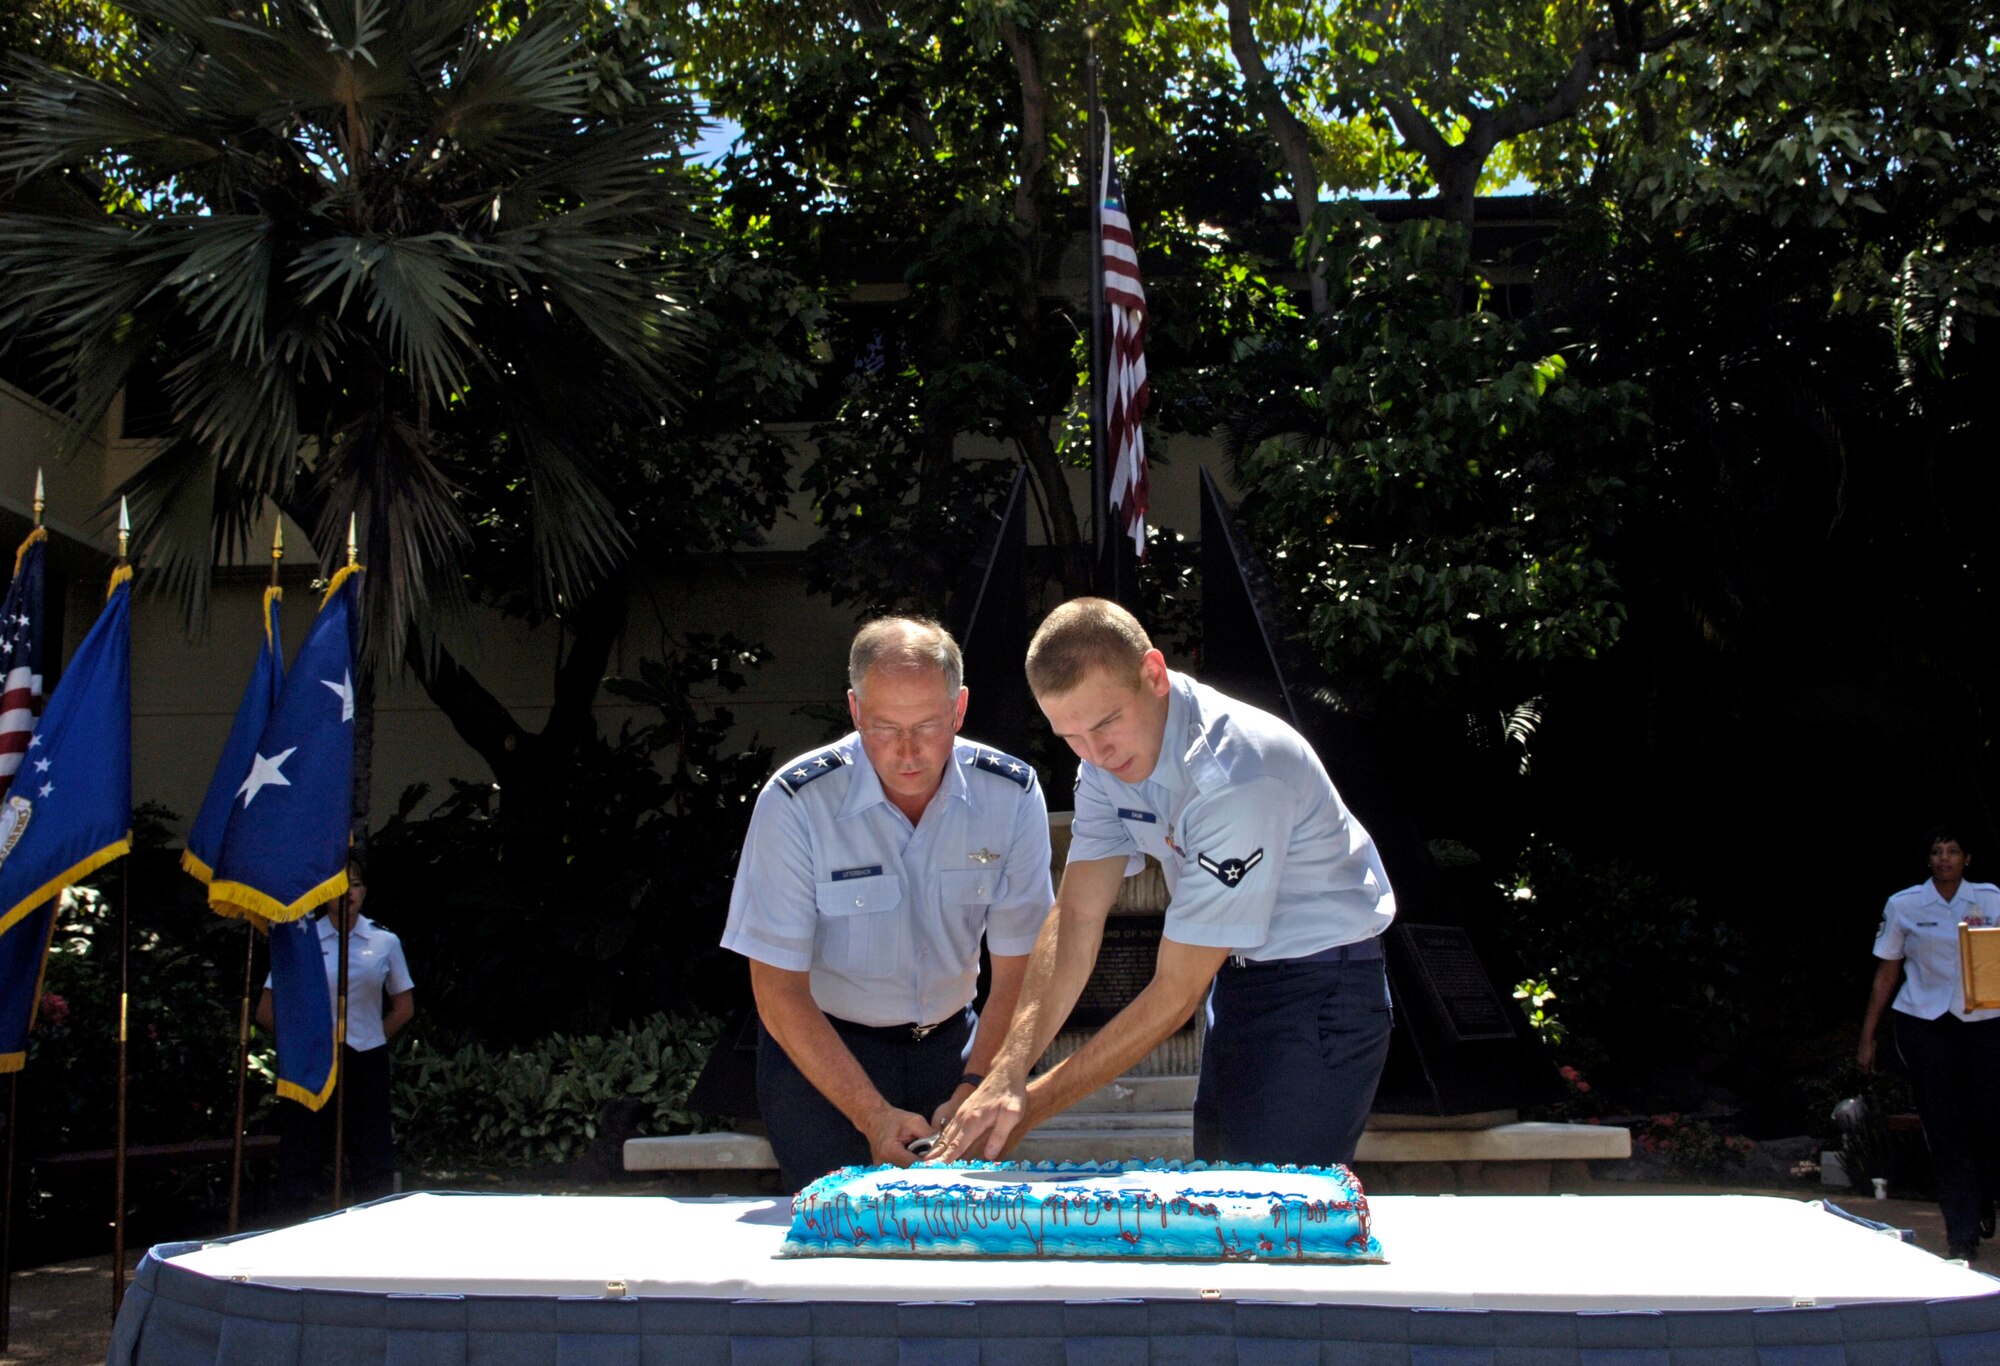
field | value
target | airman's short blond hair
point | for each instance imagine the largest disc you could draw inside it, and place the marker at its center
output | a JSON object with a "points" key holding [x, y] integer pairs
{"points": [[1081, 635]]}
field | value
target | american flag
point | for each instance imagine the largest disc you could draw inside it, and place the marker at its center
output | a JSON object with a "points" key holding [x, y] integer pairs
{"points": [[21, 656], [1126, 393]]}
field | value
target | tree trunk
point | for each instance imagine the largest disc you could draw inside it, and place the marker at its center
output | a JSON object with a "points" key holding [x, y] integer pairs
{"points": [[528, 765], [1027, 422], [1293, 139], [364, 756], [1456, 167]]}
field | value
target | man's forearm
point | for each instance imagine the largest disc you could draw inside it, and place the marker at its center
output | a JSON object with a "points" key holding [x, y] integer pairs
{"points": [[802, 1030], [1180, 979], [1131, 1034], [1065, 952], [1003, 994]]}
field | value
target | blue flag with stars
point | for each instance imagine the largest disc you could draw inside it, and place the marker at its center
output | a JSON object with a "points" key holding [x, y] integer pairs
{"points": [[284, 849], [260, 699], [69, 811], [302, 1013]]}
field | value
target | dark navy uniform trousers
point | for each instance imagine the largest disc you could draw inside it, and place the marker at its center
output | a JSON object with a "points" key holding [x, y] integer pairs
{"points": [[1955, 1075], [810, 1136], [305, 1138], [1294, 1052]]}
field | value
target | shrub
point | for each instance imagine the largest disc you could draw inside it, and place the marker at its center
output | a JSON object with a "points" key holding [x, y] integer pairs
{"points": [[620, 913], [186, 989], [1692, 1147], [537, 1106], [1651, 979]]}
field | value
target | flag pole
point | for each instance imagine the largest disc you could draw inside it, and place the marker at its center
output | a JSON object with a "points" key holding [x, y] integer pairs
{"points": [[242, 1076], [13, 1115], [249, 977], [1100, 472], [341, 911], [124, 1014]]}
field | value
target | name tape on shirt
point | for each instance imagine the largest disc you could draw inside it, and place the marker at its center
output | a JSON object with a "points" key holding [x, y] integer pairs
{"points": [[1127, 814], [843, 874]]}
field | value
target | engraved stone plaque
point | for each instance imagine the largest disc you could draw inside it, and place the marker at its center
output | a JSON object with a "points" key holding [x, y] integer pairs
{"points": [[1124, 966], [1449, 969]]}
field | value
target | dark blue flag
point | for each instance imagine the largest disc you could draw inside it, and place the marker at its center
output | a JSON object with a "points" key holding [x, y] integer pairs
{"points": [[260, 699], [69, 811], [284, 849], [302, 1010]]}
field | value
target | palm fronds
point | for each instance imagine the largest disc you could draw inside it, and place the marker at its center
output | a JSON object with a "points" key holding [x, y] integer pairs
{"points": [[364, 241]]}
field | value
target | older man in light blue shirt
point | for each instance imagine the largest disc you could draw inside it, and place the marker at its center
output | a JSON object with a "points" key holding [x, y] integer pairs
{"points": [[871, 871]]}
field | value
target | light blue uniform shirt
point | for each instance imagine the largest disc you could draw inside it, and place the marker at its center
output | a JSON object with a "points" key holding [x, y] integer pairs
{"points": [[1260, 854], [1921, 928], [887, 916]]}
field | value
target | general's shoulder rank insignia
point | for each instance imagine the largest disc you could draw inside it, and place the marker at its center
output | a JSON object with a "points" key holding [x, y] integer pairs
{"points": [[1005, 765], [1230, 871], [811, 767]]}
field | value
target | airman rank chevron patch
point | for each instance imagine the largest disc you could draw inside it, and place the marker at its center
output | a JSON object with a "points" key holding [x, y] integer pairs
{"points": [[811, 767], [1229, 872], [1005, 765]]}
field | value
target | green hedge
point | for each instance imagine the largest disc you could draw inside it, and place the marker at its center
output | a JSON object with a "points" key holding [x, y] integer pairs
{"points": [[538, 1106]]}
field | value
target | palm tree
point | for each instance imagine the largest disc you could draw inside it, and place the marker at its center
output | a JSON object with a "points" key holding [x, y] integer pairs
{"points": [[370, 242]]}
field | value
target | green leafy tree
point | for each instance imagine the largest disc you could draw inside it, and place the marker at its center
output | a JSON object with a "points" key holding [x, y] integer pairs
{"points": [[1444, 96], [1432, 486], [1873, 120], [358, 237], [946, 138], [439, 265], [77, 34]]}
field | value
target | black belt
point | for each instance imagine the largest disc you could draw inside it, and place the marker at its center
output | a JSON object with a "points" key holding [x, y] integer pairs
{"points": [[901, 1033], [1360, 951]]}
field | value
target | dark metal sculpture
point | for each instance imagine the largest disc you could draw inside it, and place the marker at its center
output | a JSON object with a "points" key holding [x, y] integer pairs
{"points": [[1460, 1045], [990, 619]]}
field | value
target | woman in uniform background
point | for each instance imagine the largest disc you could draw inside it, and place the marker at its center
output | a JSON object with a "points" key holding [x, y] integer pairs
{"points": [[1953, 1054], [380, 1001]]}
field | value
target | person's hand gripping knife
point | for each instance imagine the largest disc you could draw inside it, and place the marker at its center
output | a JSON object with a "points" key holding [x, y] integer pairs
{"points": [[786, 1002], [1006, 1107]]}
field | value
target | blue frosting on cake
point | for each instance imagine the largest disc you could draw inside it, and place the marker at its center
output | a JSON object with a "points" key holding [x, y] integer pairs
{"points": [[1160, 1210]]}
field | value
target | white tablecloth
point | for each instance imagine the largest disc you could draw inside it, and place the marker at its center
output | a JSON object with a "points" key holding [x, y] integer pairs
{"points": [[1487, 1252]]}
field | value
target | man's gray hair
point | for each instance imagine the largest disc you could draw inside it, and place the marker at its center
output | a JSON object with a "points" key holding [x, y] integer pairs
{"points": [[904, 643]]}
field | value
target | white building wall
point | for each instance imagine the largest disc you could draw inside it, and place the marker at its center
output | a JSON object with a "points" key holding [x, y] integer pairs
{"points": [[185, 690]]}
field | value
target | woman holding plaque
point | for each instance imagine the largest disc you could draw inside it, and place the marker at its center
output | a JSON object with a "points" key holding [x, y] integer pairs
{"points": [[1952, 1053]]}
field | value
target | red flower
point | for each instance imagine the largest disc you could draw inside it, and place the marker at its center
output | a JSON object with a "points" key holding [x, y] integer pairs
{"points": [[54, 1010]]}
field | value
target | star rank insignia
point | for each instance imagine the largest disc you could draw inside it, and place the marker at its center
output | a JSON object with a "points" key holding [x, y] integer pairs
{"points": [[1005, 765], [1229, 872], [812, 766]]}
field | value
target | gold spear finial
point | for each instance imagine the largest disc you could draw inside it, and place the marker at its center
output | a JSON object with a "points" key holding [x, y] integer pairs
{"points": [[124, 528], [41, 496], [277, 545], [353, 542]]}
